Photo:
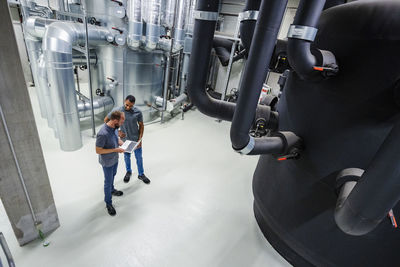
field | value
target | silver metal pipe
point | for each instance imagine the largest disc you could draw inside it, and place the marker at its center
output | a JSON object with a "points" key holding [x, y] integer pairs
{"points": [[181, 14], [166, 82], [168, 12], [44, 87], [184, 73], [135, 24], [34, 49], [58, 41], [189, 25], [153, 24], [101, 105], [171, 104], [79, 59], [36, 26], [21, 177], [7, 251], [89, 74]]}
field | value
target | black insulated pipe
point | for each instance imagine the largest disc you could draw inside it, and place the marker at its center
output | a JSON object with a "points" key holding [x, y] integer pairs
{"points": [[299, 50], [198, 67], [256, 70], [254, 77], [247, 26], [377, 191]]}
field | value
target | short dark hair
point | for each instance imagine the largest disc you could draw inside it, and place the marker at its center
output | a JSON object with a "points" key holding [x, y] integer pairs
{"points": [[116, 115], [131, 98]]}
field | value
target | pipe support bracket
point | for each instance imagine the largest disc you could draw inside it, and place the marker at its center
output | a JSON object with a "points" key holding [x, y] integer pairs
{"points": [[248, 15], [302, 32], [205, 15], [247, 149]]}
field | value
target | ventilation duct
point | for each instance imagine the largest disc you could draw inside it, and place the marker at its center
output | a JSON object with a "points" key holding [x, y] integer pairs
{"points": [[58, 41]]}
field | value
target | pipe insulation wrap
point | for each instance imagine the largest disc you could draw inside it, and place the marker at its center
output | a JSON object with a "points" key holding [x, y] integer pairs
{"points": [[135, 26], [58, 41], [101, 106], [179, 34], [376, 192], [299, 51], [34, 49], [256, 70], [153, 23]]}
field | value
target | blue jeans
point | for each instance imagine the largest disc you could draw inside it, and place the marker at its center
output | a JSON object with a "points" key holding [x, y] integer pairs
{"points": [[109, 174], [139, 161]]}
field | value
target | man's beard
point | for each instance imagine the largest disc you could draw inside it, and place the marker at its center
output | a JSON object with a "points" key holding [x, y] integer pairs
{"points": [[116, 126]]}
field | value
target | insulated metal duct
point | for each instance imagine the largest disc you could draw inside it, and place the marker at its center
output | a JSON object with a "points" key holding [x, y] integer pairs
{"points": [[153, 24], [44, 87], [58, 41], [101, 105], [135, 24], [179, 34], [34, 47]]}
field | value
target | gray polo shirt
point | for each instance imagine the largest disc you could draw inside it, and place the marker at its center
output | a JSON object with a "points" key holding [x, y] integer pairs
{"points": [[107, 138], [131, 124]]}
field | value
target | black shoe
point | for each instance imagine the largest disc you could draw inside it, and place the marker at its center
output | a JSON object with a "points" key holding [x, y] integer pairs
{"points": [[127, 177], [111, 210], [117, 193], [144, 179]]}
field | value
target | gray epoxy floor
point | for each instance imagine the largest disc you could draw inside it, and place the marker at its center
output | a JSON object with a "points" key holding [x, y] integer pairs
{"points": [[197, 211]]}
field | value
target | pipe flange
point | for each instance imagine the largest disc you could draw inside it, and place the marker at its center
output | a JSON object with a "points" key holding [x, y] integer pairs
{"points": [[248, 15], [205, 15], [302, 32], [247, 149]]}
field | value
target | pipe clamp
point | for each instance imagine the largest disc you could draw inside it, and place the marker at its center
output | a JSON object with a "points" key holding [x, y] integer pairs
{"points": [[248, 15], [247, 149], [205, 15], [302, 32]]}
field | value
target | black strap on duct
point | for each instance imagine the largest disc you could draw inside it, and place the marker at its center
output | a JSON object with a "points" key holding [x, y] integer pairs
{"points": [[360, 210], [309, 64]]}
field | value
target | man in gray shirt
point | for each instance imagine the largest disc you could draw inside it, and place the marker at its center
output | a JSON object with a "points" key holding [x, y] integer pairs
{"points": [[132, 129], [107, 146]]}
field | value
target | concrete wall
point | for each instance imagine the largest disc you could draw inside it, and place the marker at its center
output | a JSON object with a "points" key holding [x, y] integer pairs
{"points": [[17, 109]]}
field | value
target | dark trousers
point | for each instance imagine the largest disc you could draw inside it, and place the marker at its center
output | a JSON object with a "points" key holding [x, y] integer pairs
{"points": [[109, 174]]}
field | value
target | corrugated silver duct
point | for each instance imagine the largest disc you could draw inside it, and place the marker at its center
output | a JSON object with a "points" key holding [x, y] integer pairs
{"points": [[135, 24], [58, 41], [153, 24], [101, 105]]}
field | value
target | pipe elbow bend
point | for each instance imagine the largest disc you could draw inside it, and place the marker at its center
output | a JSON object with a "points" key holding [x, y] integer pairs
{"points": [[351, 222]]}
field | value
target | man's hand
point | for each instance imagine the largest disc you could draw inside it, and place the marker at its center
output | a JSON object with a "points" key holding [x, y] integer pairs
{"points": [[121, 134], [140, 144], [119, 150], [120, 142]]}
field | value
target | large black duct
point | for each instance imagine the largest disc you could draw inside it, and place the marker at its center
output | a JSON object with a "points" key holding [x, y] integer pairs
{"points": [[347, 121]]}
